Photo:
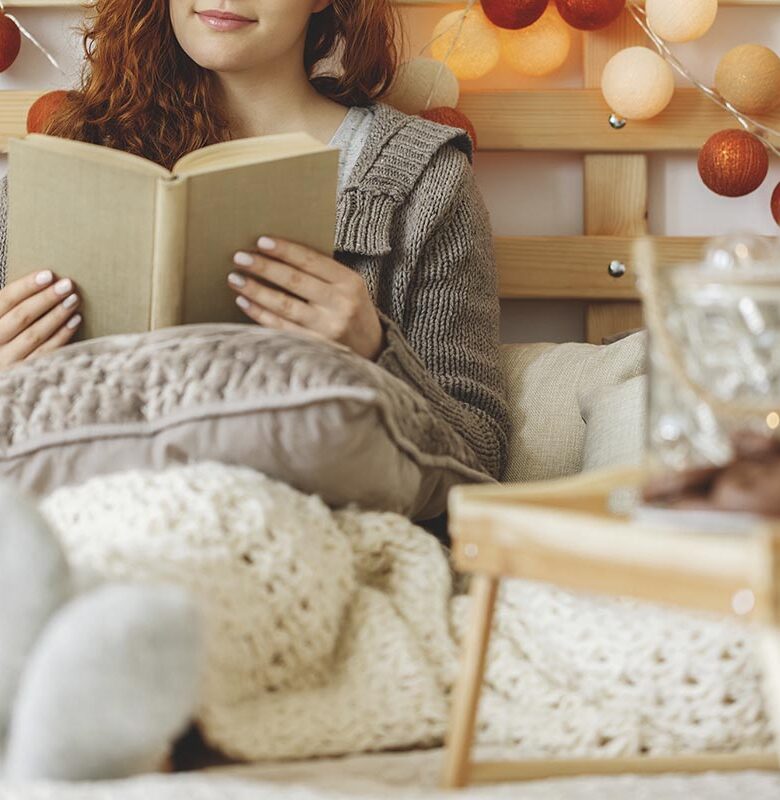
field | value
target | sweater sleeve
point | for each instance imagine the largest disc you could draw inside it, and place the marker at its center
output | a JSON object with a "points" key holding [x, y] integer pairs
{"points": [[447, 344]]}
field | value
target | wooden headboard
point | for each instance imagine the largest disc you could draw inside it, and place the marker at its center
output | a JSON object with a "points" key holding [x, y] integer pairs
{"points": [[615, 173]]}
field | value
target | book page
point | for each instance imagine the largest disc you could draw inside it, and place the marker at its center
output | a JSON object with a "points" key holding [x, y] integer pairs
{"points": [[97, 153], [229, 209], [91, 220], [244, 151]]}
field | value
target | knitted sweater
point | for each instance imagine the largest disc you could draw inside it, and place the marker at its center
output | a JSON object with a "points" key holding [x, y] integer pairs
{"points": [[412, 222]]}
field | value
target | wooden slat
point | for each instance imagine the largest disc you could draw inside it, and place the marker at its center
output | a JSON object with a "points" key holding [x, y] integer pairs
{"points": [[573, 120], [14, 104], [575, 267], [495, 771], [576, 120]]}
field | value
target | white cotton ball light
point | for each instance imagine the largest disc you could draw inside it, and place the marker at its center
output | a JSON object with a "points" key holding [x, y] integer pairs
{"points": [[637, 83], [412, 85], [477, 49], [680, 20]]}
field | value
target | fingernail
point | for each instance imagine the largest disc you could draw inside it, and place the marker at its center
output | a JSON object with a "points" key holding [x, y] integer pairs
{"points": [[70, 300], [242, 301], [236, 279], [73, 321], [63, 286], [266, 243], [243, 258], [43, 277]]}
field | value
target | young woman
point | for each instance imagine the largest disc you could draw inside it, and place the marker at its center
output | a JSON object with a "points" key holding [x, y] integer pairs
{"points": [[411, 283], [412, 280]]}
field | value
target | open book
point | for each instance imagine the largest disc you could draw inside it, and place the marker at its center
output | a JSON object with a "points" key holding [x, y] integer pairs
{"points": [[149, 247]]}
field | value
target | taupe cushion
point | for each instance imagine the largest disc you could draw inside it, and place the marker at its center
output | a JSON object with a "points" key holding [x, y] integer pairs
{"points": [[544, 382], [309, 412], [615, 420]]}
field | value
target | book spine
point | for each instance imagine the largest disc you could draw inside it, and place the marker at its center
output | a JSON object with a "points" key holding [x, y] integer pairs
{"points": [[170, 253]]}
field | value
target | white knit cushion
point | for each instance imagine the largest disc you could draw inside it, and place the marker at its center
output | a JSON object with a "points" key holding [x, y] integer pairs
{"points": [[544, 382], [306, 411], [615, 420]]}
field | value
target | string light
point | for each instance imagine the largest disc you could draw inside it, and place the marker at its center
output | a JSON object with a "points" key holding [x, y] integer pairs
{"points": [[32, 38], [638, 13], [748, 123], [459, 22]]}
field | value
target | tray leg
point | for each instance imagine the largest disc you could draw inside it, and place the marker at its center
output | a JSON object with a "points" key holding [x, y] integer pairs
{"points": [[467, 689], [770, 663]]}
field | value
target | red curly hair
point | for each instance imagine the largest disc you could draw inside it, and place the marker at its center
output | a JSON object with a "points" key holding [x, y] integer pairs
{"points": [[140, 92]]}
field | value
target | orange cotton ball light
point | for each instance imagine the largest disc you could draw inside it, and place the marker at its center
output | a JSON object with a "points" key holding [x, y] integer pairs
{"points": [[590, 15], [775, 204], [733, 163], [748, 77], [451, 116], [10, 41], [514, 14], [539, 49], [475, 48], [39, 112]]}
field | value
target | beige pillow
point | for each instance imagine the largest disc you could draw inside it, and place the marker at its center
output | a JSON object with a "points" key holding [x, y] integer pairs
{"points": [[302, 410], [544, 382], [615, 424]]}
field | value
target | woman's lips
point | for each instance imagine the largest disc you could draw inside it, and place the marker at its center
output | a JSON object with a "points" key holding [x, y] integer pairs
{"points": [[220, 24]]}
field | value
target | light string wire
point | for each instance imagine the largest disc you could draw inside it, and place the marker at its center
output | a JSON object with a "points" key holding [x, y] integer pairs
{"points": [[459, 22], [758, 129], [32, 38]]}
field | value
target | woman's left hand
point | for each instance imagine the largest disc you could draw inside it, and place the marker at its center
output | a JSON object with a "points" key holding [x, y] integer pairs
{"points": [[332, 300]]}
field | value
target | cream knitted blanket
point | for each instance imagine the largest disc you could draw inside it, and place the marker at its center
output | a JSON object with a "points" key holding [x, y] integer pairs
{"points": [[338, 631]]}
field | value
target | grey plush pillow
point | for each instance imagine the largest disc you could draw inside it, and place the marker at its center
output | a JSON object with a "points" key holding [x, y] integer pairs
{"points": [[309, 412], [544, 382], [615, 420]]}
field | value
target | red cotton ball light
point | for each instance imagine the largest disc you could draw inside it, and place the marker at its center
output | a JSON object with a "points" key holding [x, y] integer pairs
{"points": [[39, 112], [451, 116], [733, 162], [10, 41], [590, 15], [514, 14], [775, 204]]}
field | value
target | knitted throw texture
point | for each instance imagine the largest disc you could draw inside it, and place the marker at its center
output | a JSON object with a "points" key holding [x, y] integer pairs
{"points": [[335, 632]]}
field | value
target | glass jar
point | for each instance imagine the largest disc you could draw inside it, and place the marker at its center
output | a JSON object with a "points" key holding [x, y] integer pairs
{"points": [[714, 351]]}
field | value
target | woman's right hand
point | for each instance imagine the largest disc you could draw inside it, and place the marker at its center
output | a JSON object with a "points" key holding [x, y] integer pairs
{"points": [[36, 316]]}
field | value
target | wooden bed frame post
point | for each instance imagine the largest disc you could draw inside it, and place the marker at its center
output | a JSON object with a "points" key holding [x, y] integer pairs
{"points": [[615, 186]]}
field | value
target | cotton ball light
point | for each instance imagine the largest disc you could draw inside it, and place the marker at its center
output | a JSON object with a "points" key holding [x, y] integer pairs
{"points": [[637, 83], [453, 118], [677, 21], [733, 162], [39, 112], [775, 204], [748, 76], [514, 14], [477, 48], [590, 15], [414, 80], [539, 49], [10, 41]]}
